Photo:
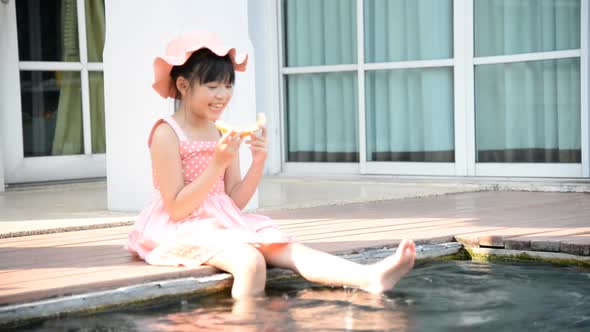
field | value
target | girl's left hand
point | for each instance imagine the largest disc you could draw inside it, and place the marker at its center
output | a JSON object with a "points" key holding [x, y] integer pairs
{"points": [[259, 146]]}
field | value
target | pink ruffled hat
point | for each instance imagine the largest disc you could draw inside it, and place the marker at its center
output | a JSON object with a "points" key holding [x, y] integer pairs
{"points": [[181, 48]]}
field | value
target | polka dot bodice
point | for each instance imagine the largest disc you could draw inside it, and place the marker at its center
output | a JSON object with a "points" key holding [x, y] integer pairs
{"points": [[195, 156]]}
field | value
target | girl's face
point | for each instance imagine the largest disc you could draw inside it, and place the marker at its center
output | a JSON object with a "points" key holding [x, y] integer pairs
{"points": [[209, 100]]}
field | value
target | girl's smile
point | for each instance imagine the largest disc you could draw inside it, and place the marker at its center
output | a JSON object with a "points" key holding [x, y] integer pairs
{"points": [[208, 101]]}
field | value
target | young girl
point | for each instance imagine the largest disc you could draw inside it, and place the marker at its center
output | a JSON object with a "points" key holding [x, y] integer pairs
{"points": [[195, 217]]}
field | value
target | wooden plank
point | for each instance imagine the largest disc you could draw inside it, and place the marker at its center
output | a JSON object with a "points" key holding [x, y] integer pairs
{"points": [[521, 225], [364, 222], [105, 279], [65, 262], [64, 236], [59, 238], [58, 243], [370, 230]]}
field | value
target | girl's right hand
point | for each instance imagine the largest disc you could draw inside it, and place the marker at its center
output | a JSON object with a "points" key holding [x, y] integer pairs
{"points": [[227, 148]]}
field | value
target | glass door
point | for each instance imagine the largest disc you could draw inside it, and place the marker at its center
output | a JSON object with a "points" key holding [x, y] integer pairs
{"points": [[52, 90], [409, 85], [530, 88]]}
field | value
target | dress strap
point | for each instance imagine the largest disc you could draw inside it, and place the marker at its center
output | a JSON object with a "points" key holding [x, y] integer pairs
{"points": [[181, 136], [173, 124]]}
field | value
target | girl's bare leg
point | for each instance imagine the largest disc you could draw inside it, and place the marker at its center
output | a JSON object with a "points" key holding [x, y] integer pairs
{"points": [[321, 267], [248, 267]]}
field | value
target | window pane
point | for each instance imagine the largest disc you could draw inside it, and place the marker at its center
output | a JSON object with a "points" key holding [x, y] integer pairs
{"points": [[528, 112], [400, 30], [97, 112], [51, 113], [320, 32], [410, 115], [322, 117], [95, 29], [47, 30], [510, 27]]}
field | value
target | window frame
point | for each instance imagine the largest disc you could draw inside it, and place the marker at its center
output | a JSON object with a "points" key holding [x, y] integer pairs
{"points": [[17, 167], [564, 170], [463, 64]]}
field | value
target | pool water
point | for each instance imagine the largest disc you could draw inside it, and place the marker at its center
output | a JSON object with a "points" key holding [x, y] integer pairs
{"points": [[438, 296]]}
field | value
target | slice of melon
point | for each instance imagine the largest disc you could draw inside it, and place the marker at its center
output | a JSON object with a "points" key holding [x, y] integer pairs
{"points": [[243, 131]]}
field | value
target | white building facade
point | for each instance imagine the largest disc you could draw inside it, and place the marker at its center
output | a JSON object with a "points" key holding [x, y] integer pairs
{"points": [[470, 88]]}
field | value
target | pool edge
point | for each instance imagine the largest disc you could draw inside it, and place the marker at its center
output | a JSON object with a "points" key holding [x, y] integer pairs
{"points": [[23, 314], [512, 255], [19, 315]]}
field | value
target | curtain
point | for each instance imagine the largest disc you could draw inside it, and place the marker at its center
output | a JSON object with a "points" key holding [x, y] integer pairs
{"points": [[322, 123], [320, 32], [69, 137], [505, 27], [527, 111], [321, 108], [400, 30], [95, 31], [409, 112], [410, 115]]}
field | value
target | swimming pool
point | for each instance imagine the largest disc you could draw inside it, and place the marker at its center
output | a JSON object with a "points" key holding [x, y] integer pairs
{"points": [[435, 296]]}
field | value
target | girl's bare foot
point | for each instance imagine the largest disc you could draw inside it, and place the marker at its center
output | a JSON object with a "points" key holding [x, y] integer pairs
{"points": [[385, 274]]}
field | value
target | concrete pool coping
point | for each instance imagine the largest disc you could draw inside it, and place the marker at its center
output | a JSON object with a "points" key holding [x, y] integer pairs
{"points": [[213, 281]]}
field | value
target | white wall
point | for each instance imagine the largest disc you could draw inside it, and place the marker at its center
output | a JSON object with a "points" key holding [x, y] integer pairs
{"points": [[137, 31]]}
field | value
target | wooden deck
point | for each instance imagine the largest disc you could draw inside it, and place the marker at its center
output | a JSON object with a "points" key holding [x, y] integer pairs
{"points": [[45, 266]]}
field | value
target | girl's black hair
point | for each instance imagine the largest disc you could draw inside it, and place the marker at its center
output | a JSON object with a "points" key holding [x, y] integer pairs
{"points": [[204, 66]]}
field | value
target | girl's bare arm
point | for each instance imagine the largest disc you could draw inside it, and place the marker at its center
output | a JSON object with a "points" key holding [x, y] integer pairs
{"points": [[242, 190]]}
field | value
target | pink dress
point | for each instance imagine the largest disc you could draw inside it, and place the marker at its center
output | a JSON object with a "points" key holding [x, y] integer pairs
{"points": [[210, 228]]}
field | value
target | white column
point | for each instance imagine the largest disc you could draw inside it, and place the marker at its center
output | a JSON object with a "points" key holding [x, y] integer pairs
{"points": [[136, 32], [585, 87], [1, 169], [264, 33], [4, 34]]}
